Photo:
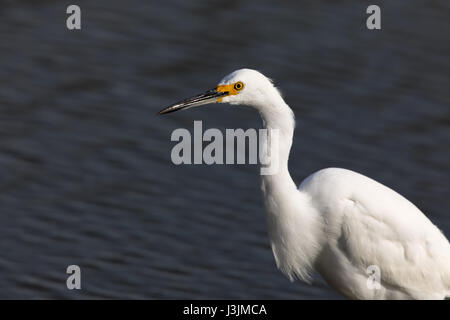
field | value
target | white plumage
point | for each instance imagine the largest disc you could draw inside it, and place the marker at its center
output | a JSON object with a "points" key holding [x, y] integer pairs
{"points": [[338, 222]]}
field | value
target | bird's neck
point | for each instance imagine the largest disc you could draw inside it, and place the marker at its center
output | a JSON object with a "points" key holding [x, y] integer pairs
{"points": [[291, 223], [279, 124]]}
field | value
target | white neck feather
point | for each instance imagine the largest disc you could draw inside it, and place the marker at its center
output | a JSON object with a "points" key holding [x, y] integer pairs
{"points": [[289, 215]]}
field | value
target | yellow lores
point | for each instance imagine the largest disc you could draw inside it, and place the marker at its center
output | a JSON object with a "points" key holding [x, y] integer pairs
{"points": [[232, 89]]}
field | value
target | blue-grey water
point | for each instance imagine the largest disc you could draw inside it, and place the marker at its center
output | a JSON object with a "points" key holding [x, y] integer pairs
{"points": [[85, 170]]}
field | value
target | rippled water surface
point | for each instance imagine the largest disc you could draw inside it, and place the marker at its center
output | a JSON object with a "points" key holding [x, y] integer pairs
{"points": [[86, 176]]}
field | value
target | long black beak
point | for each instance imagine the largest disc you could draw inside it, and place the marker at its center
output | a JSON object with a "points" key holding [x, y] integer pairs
{"points": [[210, 96]]}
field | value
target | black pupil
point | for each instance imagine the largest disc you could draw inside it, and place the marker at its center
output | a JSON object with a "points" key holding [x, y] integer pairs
{"points": [[238, 85]]}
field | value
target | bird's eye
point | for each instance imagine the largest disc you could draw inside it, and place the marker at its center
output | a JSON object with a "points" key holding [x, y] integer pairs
{"points": [[238, 86]]}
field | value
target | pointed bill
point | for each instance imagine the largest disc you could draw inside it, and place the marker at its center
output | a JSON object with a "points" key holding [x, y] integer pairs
{"points": [[210, 96]]}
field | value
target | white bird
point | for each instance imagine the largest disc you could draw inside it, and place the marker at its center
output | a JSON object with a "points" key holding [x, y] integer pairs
{"points": [[339, 223]]}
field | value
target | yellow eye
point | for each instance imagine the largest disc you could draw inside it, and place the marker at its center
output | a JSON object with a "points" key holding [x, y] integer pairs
{"points": [[238, 86]]}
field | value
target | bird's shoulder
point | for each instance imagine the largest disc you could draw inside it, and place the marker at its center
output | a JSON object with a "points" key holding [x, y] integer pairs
{"points": [[337, 193], [333, 186]]}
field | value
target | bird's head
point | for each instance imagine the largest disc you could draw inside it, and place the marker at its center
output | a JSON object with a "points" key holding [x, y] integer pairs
{"points": [[241, 87]]}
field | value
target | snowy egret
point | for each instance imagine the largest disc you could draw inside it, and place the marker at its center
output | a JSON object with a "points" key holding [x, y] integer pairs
{"points": [[338, 222]]}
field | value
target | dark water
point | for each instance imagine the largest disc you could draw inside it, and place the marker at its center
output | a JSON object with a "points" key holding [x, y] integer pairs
{"points": [[86, 176]]}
